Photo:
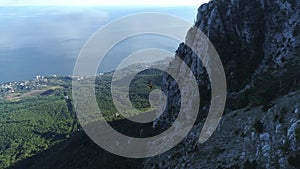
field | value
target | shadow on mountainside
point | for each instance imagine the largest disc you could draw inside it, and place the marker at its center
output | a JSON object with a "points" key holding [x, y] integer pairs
{"points": [[80, 152]]}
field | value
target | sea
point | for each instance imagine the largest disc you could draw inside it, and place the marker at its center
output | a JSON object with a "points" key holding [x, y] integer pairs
{"points": [[42, 40]]}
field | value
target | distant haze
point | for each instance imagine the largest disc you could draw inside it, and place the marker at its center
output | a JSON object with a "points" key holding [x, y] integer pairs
{"points": [[47, 40], [102, 2]]}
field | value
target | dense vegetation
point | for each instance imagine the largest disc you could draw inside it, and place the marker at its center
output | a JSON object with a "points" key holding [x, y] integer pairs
{"points": [[35, 123], [32, 125], [138, 92]]}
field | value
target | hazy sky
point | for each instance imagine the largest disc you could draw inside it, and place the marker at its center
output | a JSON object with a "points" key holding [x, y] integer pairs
{"points": [[104, 2]]}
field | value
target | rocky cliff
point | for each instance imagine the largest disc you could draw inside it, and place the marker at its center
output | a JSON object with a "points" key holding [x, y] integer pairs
{"points": [[259, 45], [246, 138], [252, 37]]}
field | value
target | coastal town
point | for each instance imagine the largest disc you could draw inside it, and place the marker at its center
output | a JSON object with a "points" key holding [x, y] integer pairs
{"points": [[39, 82]]}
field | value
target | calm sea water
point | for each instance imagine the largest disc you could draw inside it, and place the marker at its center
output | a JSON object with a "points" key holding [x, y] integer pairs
{"points": [[47, 40]]}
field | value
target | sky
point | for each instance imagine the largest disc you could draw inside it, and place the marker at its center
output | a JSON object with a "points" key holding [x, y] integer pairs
{"points": [[102, 2]]}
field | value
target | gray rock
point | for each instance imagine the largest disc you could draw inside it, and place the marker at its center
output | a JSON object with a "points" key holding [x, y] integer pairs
{"points": [[253, 38]]}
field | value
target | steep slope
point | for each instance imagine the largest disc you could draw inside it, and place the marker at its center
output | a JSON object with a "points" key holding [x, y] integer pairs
{"points": [[259, 45], [77, 152], [249, 138], [252, 37], [246, 138], [258, 42]]}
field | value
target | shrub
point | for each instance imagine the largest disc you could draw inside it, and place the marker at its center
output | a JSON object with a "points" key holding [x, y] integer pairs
{"points": [[258, 126], [298, 134], [285, 147], [294, 160], [250, 165]]}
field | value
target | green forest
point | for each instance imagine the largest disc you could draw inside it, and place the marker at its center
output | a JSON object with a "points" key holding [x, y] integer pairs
{"points": [[33, 123]]}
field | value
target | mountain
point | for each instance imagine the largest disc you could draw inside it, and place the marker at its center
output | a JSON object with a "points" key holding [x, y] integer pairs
{"points": [[258, 43], [246, 138]]}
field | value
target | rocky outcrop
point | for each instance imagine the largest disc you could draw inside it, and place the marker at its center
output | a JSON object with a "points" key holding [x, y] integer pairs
{"points": [[252, 37], [245, 138], [259, 44]]}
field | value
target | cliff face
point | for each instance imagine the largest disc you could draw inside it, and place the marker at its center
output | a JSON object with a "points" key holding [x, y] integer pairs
{"points": [[259, 44], [246, 138], [252, 37]]}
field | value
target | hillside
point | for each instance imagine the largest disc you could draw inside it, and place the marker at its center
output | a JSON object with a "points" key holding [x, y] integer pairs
{"points": [[246, 138], [38, 117], [265, 136], [258, 42]]}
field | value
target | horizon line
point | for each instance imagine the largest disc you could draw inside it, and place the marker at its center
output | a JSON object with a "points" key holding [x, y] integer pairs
{"points": [[88, 5]]}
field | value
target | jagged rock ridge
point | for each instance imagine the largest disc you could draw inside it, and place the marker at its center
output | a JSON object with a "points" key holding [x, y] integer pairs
{"points": [[259, 44]]}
